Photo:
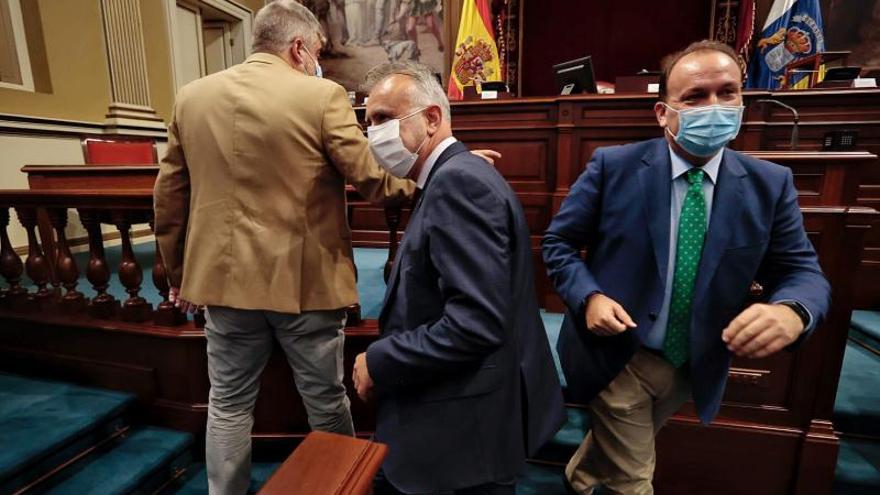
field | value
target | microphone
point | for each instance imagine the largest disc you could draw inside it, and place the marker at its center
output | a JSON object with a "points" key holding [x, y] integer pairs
{"points": [[794, 129]]}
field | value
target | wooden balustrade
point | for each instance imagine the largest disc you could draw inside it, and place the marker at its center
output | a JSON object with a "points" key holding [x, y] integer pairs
{"points": [[119, 208], [122, 209]]}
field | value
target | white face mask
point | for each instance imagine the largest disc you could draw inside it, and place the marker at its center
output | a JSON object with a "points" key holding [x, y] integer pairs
{"points": [[388, 147]]}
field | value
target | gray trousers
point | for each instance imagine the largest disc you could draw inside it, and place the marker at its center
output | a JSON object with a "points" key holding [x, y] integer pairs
{"points": [[239, 345]]}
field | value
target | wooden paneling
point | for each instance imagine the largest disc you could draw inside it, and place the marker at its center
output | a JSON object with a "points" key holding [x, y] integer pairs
{"points": [[547, 142]]}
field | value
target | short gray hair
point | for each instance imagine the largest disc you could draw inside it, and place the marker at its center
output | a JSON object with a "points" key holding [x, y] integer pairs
{"points": [[279, 22], [426, 89]]}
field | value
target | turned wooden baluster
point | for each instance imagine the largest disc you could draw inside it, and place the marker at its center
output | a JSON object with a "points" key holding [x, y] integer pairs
{"points": [[65, 267], [98, 272], [166, 314], [37, 264], [392, 219], [10, 266], [135, 308]]}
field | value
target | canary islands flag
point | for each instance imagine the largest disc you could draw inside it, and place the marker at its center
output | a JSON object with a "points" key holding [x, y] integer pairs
{"points": [[476, 55], [793, 30]]}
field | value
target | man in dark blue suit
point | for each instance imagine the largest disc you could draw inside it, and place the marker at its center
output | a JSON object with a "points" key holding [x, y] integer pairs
{"points": [[676, 229], [463, 374]]}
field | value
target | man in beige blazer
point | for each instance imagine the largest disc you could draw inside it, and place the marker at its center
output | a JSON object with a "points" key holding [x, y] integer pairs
{"points": [[250, 218]]}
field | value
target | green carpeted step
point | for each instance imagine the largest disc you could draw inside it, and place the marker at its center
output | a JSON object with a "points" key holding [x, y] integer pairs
{"points": [[141, 461], [857, 406], [541, 479], [858, 467], [867, 322], [45, 423], [560, 449], [196, 480]]}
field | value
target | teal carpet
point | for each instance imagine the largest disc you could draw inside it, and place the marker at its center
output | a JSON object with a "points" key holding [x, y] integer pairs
{"points": [[858, 467], [541, 479], [857, 406], [197, 481], [857, 417], [130, 465], [40, 417], [867, 322]]}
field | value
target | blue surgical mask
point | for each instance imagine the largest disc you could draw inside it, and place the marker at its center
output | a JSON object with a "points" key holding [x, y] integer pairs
{"points": [[318, 72], [702, 131]]}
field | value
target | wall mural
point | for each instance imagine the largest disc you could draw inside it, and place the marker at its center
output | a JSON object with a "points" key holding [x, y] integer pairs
{"points": [[365, 33]]}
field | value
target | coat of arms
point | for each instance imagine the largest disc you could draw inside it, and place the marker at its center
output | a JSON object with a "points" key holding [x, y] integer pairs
{"points": [[472, 61]]}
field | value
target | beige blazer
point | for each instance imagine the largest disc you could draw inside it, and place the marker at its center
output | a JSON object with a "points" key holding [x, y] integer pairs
{"points": [[250, 200]]}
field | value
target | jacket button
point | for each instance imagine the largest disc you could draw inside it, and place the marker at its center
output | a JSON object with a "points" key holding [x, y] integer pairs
{"points": [[652, 316]]}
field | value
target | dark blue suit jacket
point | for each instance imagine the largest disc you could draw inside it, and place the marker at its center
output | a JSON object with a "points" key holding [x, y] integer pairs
{"points": [[618, 210], [464, 374]]}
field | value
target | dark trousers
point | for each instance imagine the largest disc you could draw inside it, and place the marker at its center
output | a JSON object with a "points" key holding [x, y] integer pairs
{"points": [[381, 486]]}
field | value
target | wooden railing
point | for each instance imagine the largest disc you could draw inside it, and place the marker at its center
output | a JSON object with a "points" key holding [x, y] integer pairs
{"points": [[56, 276]]}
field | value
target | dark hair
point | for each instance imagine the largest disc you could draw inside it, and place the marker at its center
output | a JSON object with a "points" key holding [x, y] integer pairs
{"points": [[669, 61]]}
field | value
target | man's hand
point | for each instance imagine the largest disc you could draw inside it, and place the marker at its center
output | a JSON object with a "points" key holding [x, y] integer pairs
{"points": [[762, 330], [488, 155], [361, 377], [183, 305], [606, 317]]}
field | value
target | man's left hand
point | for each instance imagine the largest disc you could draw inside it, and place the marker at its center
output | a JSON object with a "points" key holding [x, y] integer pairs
{"points": [[762, 330], [183, 305], [361, 377]]}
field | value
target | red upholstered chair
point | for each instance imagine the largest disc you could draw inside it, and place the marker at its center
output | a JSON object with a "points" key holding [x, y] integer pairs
{"points": [[126, 151]]}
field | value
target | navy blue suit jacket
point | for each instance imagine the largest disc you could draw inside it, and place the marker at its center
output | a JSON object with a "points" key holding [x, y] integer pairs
{"points": [[464, 375], [618, 210]]}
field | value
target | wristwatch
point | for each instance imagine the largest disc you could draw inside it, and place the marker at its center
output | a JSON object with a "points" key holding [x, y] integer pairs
{"points": [[799, 310]]}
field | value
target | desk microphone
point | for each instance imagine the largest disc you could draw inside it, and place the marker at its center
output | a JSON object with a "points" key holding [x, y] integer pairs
{"points": [[794, 129]]}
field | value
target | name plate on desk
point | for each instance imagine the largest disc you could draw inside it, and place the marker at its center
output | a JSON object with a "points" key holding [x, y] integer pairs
{"points": [[489, 95]]}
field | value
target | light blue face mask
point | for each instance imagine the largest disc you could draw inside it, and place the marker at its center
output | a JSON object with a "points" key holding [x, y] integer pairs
{"points": [[318, 72], [702, 131]]}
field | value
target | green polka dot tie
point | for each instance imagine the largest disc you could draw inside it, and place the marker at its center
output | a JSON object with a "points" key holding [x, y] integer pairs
{"points": [[691, 232]]}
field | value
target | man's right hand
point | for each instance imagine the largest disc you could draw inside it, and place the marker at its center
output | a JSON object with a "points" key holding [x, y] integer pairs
{"points": [[605, 317]]}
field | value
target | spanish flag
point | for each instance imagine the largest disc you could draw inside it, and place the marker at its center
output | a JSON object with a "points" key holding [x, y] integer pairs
{"points": [[476, 55]]}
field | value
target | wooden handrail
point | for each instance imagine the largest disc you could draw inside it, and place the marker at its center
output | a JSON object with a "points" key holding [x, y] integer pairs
{"points": [[134, 199]]}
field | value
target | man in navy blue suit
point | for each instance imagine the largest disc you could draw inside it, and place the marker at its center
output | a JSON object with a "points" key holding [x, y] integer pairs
{"points": [[463, 374], [676, 229]]}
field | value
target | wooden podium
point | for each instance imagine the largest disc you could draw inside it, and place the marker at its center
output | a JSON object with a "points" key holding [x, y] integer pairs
{"points": [[328, 464]]}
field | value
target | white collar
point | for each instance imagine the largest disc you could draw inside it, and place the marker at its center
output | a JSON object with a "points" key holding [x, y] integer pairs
{"points": [[432, 160]]}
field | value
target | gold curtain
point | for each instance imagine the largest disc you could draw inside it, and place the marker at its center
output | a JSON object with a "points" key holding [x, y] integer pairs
{"points": [[451, 18]]}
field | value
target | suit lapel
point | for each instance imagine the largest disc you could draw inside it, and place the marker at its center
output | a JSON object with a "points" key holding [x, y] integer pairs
{"points": [[393, 278], [726, 208], [452, 150], [655, 178]]}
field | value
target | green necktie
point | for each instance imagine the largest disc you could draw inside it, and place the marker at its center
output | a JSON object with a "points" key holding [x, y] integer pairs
{"points": [[691, 232]]}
